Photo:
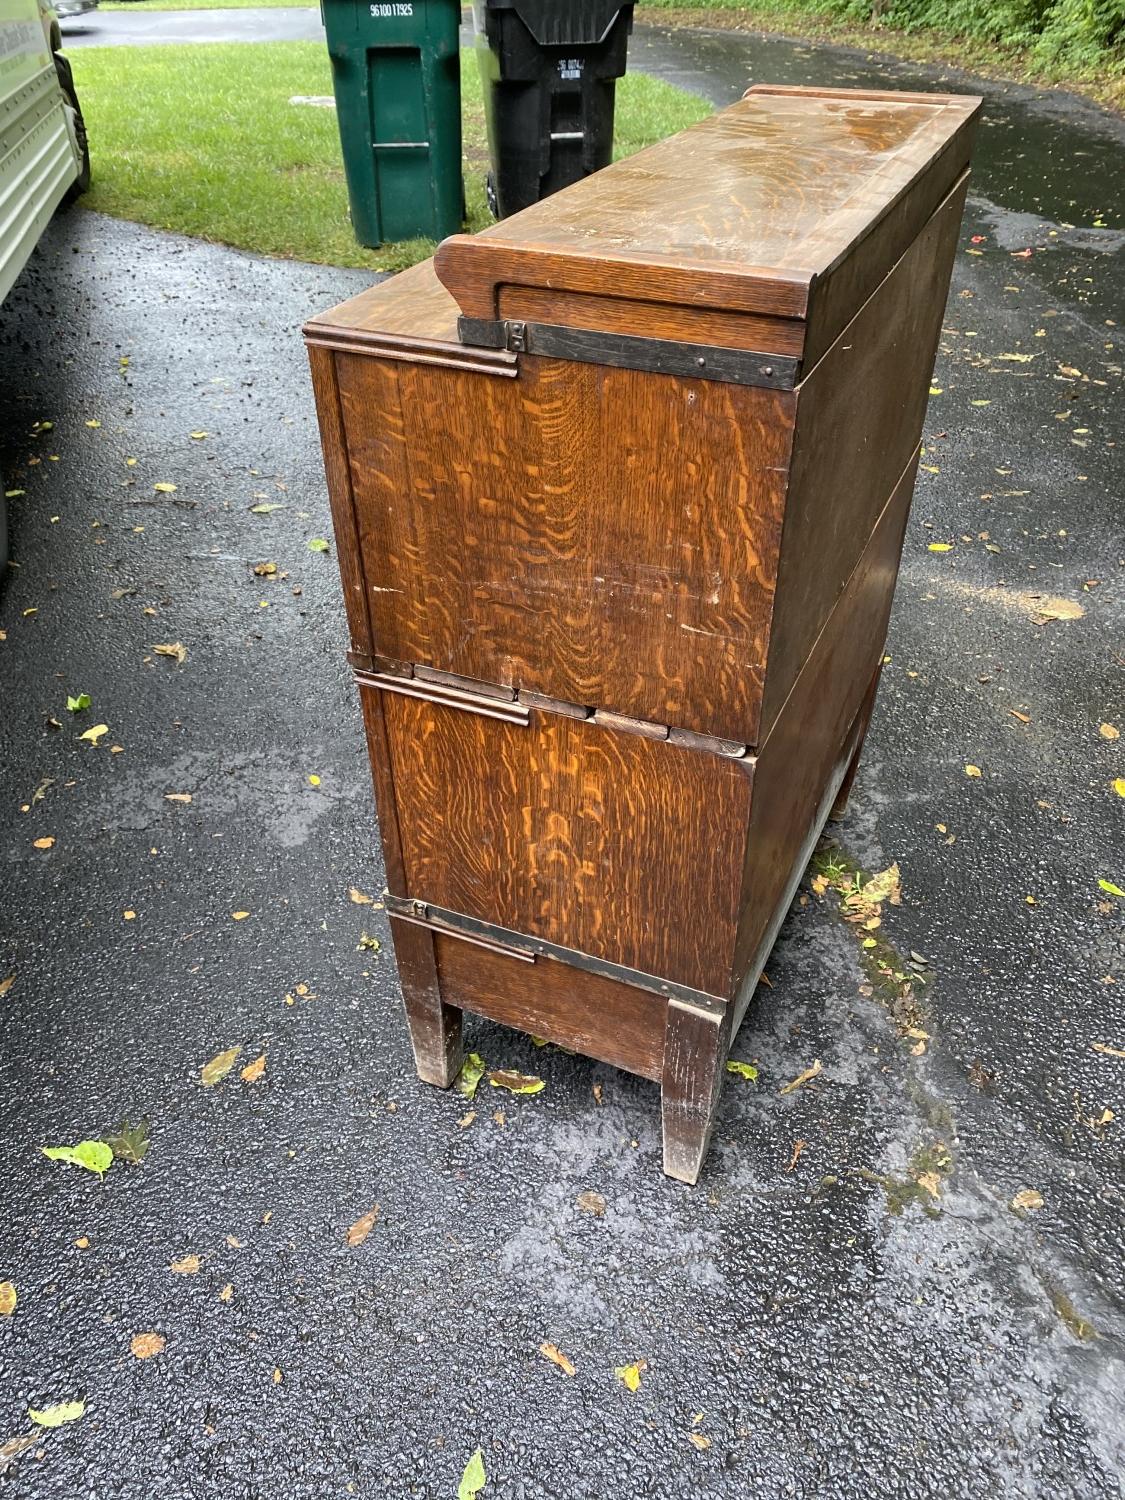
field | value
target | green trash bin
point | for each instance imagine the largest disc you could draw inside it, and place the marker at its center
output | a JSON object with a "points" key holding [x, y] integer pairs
{"points": [[396, 71]]}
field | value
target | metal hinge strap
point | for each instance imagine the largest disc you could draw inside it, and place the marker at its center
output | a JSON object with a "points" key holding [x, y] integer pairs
{"points": [[520, 945], [630, 352]]}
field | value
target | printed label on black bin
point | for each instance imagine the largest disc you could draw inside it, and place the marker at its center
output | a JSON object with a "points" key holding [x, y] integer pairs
{"points": [[570, 67], [404, 9]]}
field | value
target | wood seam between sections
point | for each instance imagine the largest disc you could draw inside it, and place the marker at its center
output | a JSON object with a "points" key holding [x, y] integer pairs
{"points": [[399, 677], [913, 459], [523, 946]]}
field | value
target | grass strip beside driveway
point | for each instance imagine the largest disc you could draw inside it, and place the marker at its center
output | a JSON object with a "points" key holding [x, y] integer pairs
{"points": [[205, 5], [202, 139]]}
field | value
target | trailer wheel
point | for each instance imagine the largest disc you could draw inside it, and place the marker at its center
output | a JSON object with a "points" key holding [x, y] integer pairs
{"points": [[66, 83]]}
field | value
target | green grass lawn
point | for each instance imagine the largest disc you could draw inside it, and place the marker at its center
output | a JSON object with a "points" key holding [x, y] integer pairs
{"points": [[204, 4], [202, 139]]}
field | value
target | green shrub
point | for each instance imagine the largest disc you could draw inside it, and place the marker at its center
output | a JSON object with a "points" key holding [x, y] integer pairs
{"points": [[1076, 31], [1072, 33]]}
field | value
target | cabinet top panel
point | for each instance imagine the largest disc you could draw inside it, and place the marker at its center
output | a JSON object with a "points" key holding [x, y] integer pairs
{"points": [[751, 211]]}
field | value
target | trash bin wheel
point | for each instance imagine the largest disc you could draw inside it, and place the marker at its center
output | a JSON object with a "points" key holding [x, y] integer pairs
{"points": [[66, 83]]}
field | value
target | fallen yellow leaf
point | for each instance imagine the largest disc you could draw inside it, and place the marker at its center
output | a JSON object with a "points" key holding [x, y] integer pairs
{"points": [[630, 1375], [1107, 1050], [1045, 609], [359, 898], [220, 1065], [174, 649], [187, 1265], [362, 1227], [1028, 1199], [557, 1357], [58, 1415], [227, 1292], [164, 488], [698, 1439], [277, 1376], [1119, 786], [239, 916], [177, 796], [8, 1298], [810, 1073], [1109, 731], [314, 780], [930, 1181], [145, 1345], [941, 547], [94, 733], [973, 771], [254, 1070], [45, 843]]}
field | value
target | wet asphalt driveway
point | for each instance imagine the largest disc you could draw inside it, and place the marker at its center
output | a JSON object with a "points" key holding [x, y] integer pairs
{"points": [[863, 1316]]}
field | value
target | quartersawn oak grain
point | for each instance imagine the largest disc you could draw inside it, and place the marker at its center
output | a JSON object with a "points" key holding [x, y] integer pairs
{"points": [[755, 210], [619, 633], [569, 831], [558, 1003], [570, 533]]}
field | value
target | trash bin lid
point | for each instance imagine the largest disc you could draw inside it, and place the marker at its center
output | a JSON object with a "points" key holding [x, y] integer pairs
{"points": [[764, 227], [580, 23]]}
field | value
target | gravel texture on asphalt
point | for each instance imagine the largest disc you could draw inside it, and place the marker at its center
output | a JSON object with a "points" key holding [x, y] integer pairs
{"points": [[875, 1321]]}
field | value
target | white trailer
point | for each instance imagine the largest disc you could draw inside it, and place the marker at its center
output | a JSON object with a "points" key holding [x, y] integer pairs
{"points": [[43, 155]]}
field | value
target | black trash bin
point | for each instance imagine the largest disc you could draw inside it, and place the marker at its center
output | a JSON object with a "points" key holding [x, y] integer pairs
{"points": [[549, 69]]}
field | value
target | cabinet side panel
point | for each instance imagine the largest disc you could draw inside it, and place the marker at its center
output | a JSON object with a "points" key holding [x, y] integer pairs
{"points": [[859, 421], [621, 847], [806, 751], [594, 1015], [391, 543], [843, 289], [338, 475]]}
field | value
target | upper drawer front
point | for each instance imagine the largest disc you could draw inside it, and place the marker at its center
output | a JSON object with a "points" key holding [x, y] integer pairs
{"points": [[602, 536], [620, 847]]}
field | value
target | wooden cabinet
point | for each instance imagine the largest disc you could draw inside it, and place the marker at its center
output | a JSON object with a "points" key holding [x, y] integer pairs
{"points": [[619, 488]]}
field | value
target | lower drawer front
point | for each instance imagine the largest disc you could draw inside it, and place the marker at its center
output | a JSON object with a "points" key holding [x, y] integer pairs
{"points": [[621, 847], [598, 1017]]}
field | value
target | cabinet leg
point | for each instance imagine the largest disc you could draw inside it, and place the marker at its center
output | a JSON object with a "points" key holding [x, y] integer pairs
{"points": [[859, 732], [695, 1050], [435, 1027]]}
